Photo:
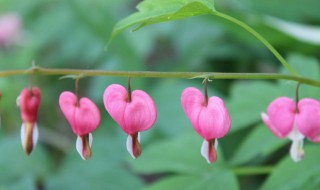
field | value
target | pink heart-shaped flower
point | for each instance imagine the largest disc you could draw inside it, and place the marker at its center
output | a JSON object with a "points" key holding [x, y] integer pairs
{"points": [[133, 114], [210, 121], [84, 117], [138, 115]]}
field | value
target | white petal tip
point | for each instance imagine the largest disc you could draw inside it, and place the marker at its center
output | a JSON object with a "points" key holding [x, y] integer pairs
{"points": [[296, 150], [133, 147], [79, 145]]}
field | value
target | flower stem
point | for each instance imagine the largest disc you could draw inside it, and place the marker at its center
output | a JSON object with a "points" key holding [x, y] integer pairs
{"points": [[259, 37], [205, 91], [253, 170], [155, 74]]}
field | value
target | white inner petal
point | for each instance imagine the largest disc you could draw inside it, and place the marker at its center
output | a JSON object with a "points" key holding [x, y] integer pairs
{"points": [[129, 146], [130, 143], [205, 149], [79, 145], [296, 150], [22, 134]]}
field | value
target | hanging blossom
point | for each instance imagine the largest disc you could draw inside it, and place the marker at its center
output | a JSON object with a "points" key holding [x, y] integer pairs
{"points": [[84, 117], [134, 112], [209, 118], [286, 118], [10, 29], [29, 102]]}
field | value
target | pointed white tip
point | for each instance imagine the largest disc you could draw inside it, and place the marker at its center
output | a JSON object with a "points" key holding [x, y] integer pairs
{"points": [[22, 134], [296, 150], [130, 143], [79, 145], [205, 149]]}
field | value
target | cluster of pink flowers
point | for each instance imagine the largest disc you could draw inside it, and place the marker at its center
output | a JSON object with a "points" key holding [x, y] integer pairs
{"points": [[135, 112]]}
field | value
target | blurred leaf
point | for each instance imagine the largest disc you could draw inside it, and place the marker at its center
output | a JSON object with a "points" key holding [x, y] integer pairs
{"points": [[258, 144], [306, 66], [180, 155], [305, 33], [27, 183], [248, 100], [105, 170], [217, 179], [154, 11], [289, 175], [15, 165]]}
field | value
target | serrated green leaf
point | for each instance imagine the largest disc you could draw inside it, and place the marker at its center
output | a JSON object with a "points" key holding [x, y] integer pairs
{"points": [[290, 175], [259, 143], [155, 11], [218, 179]]}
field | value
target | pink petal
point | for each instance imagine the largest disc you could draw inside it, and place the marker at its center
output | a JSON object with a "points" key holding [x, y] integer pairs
{"points": [[140, 113], [308, 119], [29, 102], [214, 120], [211, 121], [115, 100], [84, 118], [192, 102], [280, 118], [135, 116]]}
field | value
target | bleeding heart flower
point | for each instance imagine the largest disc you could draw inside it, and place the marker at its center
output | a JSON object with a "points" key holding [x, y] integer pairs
{"points": [[285, 118], [10, 25], [84, 117], [210, 119], [29, 101], [134, 112]]}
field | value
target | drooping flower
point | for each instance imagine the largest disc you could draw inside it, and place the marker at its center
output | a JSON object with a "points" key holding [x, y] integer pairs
{"points": [[84, 117], [29, 102], [286, 118], [10, 26], [209, 118], [134, 112]]}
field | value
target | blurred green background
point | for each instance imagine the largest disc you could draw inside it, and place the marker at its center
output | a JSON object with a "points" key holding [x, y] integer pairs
{"points": [[74, 34]]}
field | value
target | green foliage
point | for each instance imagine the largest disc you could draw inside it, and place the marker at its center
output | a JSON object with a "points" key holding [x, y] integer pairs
{"points": [[155, 11], [73, 34], [190, 170], [290, 175]]}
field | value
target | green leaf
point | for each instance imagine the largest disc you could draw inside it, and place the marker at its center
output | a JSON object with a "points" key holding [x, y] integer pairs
{"points": [[257, 145], [307, 67], [217, 179], [289, 175], [102, 171], [17, 165], [248, 100], [179, 155], [155, 11]]}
